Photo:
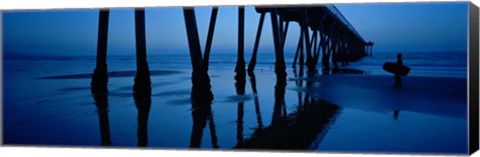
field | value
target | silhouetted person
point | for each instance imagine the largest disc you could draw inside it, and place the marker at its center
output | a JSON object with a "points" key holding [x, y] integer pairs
{"points": [[398, 79]]}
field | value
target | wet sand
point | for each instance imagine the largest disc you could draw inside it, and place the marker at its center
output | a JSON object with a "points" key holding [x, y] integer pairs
{"points": [[52, 105], [426, 115], [428, 95]]}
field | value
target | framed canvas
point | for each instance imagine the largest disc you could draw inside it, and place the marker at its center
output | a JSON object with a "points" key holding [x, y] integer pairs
{"points": [[381, 78]]}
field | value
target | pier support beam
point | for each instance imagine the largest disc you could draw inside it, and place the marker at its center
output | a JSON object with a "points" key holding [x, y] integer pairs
{"points": [[203, 77], [240, 67], [279, 108], [200, 80], [323, 43], [369, 46], [240, 75], [211, 30], [100, 78], [200, 116], [279, 70], [278, 42], [314, 46], [305, 31], [101, 101], [201, 95], [142, 78], [335, 47], [253, 60], [284, 34], [253, 83], [193, 40], [143, 103], [342, 55], [326, 52], [299, 52], [240, 89]]}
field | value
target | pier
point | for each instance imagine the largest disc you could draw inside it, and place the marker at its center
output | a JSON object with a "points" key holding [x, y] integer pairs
{"points": [[288, 78], [324, 32]]}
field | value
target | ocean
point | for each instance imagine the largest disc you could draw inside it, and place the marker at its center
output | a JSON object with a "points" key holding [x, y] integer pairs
{"points": [[47, 101], [429, 64]]}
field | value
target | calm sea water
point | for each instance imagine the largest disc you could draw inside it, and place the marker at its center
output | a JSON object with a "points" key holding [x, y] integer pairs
{"points": [[47, 101], [432, 64]]}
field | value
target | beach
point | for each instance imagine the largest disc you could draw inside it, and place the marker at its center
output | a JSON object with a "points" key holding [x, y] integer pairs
{"points": [[47, 102], [425, 115]]}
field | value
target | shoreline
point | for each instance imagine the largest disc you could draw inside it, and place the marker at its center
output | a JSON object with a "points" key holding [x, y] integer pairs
{"points": [[376, 93]]}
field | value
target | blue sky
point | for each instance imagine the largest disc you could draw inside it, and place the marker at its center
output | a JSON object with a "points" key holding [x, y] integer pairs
{"points": [[395, 27]]}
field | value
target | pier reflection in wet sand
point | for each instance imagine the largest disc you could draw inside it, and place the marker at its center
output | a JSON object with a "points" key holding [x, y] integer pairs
{"points": [[300, 130], [101, 101]]}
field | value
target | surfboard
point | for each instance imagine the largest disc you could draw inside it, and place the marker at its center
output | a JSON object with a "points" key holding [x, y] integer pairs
{"points": [[394, 68]]}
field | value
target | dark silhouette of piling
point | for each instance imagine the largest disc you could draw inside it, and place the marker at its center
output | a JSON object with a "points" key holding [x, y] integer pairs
{"points": [[201, 95], [200, 78], [240, 87], [326, 53], [240, 66], [285, 31], [101, 101], [298, 52], [142, 78], [193, 39], [278, 42], [304, 26], [213, 132], [253, 83], [142, 103], [211, 29], [253, 60], [240, 75], [100, 78], [369, 48], [202, 113], [279, 99]]}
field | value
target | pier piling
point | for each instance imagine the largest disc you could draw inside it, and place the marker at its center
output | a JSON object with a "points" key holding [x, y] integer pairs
{"points": [[142, 77], [253, 60], [100, 78]]}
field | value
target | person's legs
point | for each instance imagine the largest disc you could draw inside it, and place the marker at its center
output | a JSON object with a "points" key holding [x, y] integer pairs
{"points": [[398, 81]]}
